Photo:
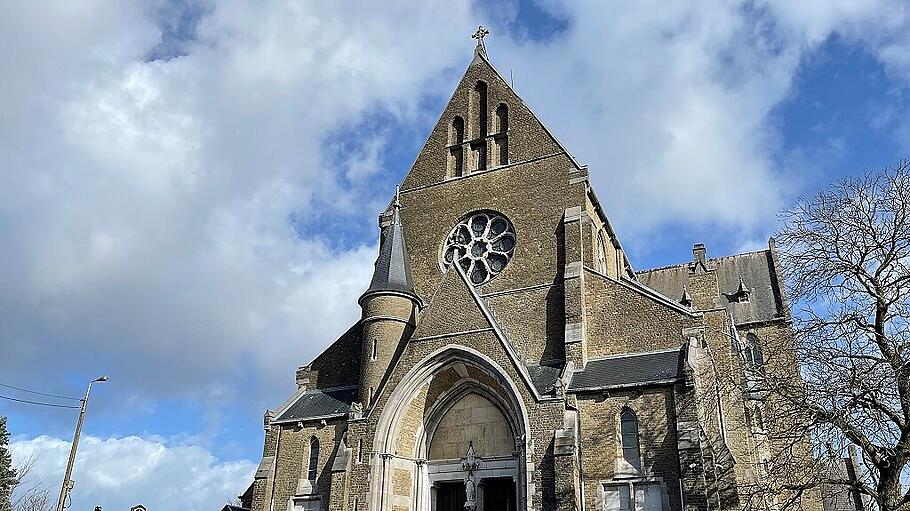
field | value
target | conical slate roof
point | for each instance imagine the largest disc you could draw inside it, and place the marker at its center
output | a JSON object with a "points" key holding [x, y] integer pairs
{"points": [[392, 273]]}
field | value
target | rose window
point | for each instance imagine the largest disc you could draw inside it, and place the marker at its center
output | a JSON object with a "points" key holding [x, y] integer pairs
{"points": [[482, 244]]}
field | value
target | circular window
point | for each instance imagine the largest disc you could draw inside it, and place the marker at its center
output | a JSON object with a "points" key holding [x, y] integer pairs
{"points": [[481, 244]]}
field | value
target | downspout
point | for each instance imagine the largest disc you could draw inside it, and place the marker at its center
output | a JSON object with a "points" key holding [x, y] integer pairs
{"points": [[274, 470], [578, 437], [581, 470], [682, 497]]}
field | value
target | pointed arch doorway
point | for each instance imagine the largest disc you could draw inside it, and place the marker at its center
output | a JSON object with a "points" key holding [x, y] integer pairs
{"points": [[453, 437], [483, 477]]}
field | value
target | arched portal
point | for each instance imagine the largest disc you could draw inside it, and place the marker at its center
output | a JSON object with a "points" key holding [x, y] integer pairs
{"points": [[453, 432]]}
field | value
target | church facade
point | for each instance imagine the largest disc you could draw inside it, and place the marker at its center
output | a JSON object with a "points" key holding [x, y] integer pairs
{"points": [[509, 356]]}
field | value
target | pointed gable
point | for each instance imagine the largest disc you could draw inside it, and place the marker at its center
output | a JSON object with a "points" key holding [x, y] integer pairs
{"points": [[485, 125], [452, 309], [456, 309]]}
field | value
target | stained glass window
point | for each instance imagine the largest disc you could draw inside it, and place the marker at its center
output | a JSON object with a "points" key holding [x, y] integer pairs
{"points": [[481, 244], [629, 433], [313, 464]]}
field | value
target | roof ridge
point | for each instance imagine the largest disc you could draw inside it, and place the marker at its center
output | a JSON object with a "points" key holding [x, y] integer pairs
{"points": [[678, 265], [665, 267], [748, 252]]}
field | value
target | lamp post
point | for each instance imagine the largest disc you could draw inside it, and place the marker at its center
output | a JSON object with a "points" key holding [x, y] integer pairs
{"points": [[67, 482]]}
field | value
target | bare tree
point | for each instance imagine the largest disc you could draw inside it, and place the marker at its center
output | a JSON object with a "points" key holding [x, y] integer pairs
{"points": [[846, 259], [29, 493]]}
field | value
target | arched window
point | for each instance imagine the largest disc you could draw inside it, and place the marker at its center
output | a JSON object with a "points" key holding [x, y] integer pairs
{"points": [[628, 426], [478, 119], [501, 139], [479, 102], [759, 419], [456, 135], [502, 118], [313, 464], [601, 253], [456, 152], [755, 359]]}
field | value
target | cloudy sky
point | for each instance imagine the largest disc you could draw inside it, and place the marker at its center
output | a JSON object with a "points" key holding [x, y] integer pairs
{"points": [[189, 188]]}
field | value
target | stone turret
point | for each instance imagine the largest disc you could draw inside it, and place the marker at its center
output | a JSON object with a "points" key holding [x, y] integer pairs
{"points": [[388, 306]]}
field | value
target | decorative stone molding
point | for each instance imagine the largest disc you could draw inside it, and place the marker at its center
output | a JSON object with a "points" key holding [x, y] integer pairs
{"points": [[573, 270], [572, 214], [574, 332]]}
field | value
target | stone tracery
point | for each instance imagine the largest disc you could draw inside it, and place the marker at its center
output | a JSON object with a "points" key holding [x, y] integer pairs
{"points": [[482, 244]]}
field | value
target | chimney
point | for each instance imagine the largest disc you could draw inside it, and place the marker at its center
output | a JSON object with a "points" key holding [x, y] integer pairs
{"points": [[303, 377], [699, 252]]}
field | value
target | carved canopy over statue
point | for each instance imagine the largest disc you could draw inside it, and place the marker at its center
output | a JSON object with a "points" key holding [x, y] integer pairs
{"points": [[470, 463]]}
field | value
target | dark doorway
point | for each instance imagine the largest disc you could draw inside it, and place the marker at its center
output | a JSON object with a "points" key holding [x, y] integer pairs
{"points": [[499, 494], [450, 496]]}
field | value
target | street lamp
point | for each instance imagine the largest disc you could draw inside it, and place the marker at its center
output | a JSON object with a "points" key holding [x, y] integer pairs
{"points": [[67, 482]]}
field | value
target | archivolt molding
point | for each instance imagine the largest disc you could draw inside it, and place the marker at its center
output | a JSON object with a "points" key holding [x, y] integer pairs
{"points": [[400, 398], [399, 402], [445, 401]]}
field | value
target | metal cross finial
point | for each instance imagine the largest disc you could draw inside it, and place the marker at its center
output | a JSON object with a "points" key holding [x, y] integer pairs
{"points": [[479, 35], [397, 202]]}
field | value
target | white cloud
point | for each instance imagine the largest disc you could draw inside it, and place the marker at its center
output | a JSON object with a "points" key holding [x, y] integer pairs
{"points": [[146, 206], [118, 473], [671, 103]]}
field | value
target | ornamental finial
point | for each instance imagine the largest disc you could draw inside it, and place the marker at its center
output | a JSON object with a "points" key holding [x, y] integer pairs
{"points": [[396, 206], [479, 35]]}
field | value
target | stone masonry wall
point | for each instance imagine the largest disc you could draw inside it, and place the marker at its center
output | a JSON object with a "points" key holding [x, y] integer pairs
{"points": [[290, 472], [622, 320], [339, 364], [600, 441]]}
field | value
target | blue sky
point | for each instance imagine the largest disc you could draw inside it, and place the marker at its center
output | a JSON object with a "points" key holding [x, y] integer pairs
{"points": [[189, 190]]}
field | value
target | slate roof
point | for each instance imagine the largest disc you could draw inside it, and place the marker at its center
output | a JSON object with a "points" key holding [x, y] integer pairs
{"points": [[392, 271], [317, 403], [233, 508], [757, 271], [630, 370], [543, 377]]}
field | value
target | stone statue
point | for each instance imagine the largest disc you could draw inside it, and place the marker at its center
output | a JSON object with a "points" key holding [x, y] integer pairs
{"points": [[470, 463], [470, 492]]}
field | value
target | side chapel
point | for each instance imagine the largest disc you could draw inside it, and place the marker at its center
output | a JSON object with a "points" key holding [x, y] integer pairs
{"points": [[509, 357]]}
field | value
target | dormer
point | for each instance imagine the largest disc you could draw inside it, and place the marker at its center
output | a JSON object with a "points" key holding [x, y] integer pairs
{"points": [[741, 295]]}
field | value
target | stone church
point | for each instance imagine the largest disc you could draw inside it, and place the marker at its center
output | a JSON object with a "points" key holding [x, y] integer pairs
{"points": [[509, 355]]}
